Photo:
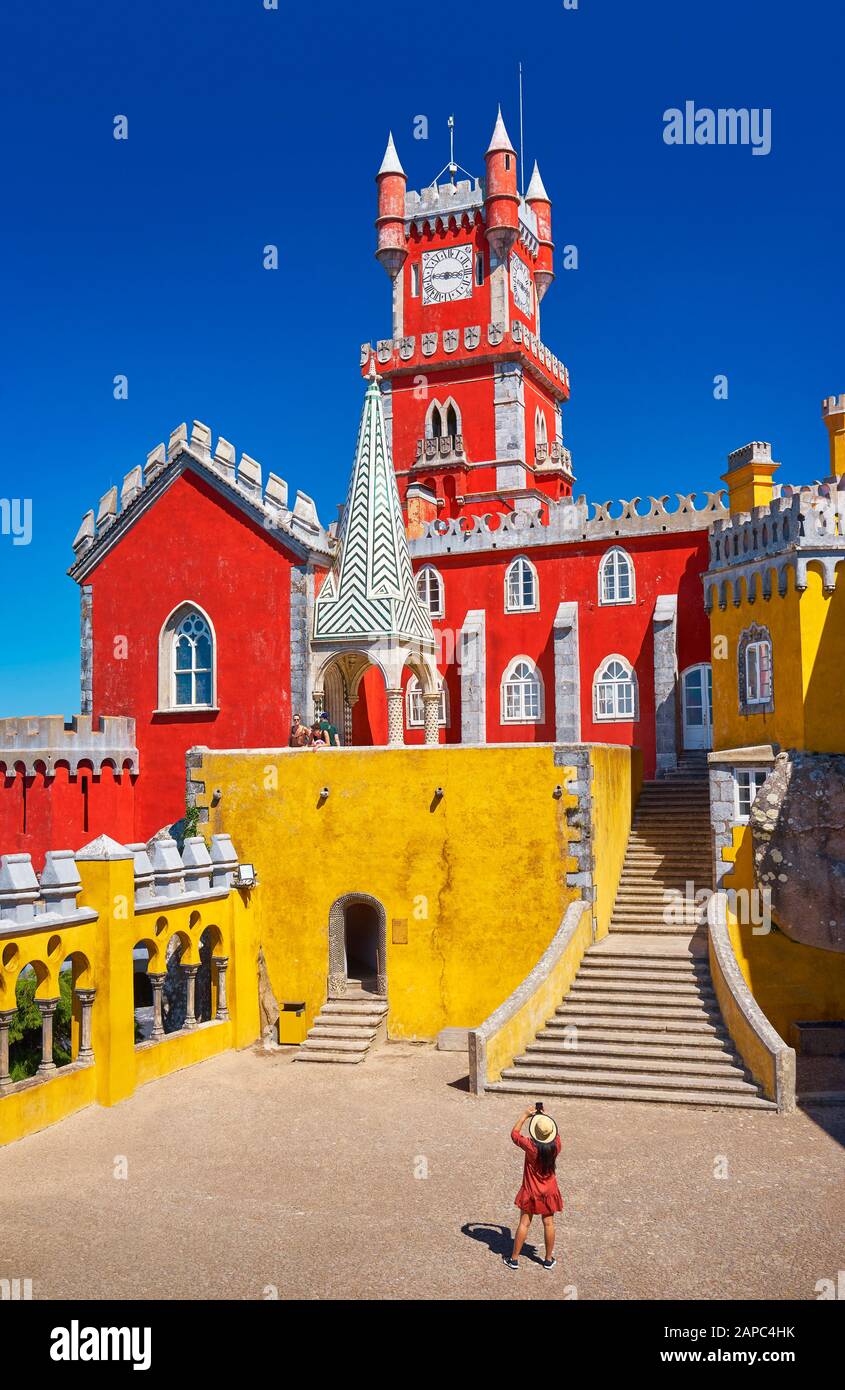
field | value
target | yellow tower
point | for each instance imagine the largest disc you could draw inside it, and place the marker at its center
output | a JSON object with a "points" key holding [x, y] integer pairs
{"points": [[833, 414]]}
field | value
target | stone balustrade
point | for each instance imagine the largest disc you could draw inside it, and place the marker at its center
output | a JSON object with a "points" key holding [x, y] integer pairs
{"points": [[751, 551], [49, 739], [464, 344]]}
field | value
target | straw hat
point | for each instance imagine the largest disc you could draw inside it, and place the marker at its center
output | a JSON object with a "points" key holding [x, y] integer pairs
{"points": [[542, 1128]]}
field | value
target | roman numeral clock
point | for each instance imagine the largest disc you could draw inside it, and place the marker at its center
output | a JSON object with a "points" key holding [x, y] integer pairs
{"points": [[447, 274]]}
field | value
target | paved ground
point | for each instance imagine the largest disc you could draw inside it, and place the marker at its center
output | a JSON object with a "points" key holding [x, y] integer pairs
{"points": [[250, 1171]]}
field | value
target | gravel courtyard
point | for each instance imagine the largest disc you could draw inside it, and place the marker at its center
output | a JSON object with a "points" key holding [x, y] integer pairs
{"points": [[249, 1174]]}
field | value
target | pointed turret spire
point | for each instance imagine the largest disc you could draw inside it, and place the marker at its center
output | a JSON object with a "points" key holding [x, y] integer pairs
{"points": [[391, 163], [536, 188], [500, 140]]}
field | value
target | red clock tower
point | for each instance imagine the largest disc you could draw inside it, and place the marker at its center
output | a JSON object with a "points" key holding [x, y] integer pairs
{"points": [[473, 397]]}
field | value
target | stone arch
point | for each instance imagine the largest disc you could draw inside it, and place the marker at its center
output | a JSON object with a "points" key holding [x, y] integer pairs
{"points": [[337, 940]]}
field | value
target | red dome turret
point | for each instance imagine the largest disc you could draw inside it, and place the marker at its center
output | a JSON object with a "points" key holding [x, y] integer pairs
{"points": [[501, 193], [391, 179], [538, 200]]}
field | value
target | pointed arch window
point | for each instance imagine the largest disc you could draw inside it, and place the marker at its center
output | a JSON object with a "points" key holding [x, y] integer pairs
{"points": [[616, 578], [615, 691], [430, 590], [415, 706], [522, 693], [187, 660], [443, 418], [541, 434], [521, 587]]}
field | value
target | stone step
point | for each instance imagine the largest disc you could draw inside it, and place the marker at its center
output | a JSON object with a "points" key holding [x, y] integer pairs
{"points": [[640, 988], [348, 1058], [603, 1042], [322, 1028], [664, 1096], [602, 967], [589, 1023], [358, 1007], [642, 1010], [335, 1044], [644, 998], [546, 1056], [684, 1080], [650, 928]]}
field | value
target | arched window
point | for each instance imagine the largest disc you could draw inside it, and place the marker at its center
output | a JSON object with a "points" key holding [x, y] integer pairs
{"points": [[522, 693], [521, 588], [615, 691], [442, 418], [430, 590], [756, 671], [187, 660], [541, 434], [616, 578], [415, 708]]}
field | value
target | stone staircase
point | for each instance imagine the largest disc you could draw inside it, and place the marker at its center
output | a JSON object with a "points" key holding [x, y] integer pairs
{"points": [[346, 1027], [641, 1021]]}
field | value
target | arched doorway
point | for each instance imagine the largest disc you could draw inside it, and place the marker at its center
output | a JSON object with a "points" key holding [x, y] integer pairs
{"points": [[357, 945]]}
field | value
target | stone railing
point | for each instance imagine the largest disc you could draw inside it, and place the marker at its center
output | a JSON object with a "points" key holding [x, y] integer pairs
{"points": [[189, 910], [440, 447], [568, 520], [50, 739], [764, 1052], [269, 499], [553, 456], [464, 344]]}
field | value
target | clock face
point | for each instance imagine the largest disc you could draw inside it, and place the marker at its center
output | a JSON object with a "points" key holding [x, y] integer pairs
{"points": [[521, 285], [447, 274]]}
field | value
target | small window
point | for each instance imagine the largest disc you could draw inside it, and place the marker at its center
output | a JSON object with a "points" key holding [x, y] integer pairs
{"points": [[452, 421], [479, 268], [747, 781], [758, 672], [507, 161], [415, 709], [540, 429], [415, 279], [522, 693], [616, 578], [521, 587], [615, 691], [430, 590]]}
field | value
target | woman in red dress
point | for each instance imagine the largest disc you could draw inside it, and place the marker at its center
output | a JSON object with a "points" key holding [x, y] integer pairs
{"points": [[539, 1194]]}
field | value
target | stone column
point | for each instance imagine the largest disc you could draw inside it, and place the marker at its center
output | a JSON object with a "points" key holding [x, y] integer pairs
{"points": [[157, 983], [46, 1008], [472, 655], [86, 999], [190, 973], [318, 705], [222, 964], [6, 1016], [395, 720], [431, 716], [567, 675], [664, 624], [347, 722]]}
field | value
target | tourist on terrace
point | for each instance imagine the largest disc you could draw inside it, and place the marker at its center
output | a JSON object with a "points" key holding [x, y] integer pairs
{"points": [[319, 737], [539, 1194], [300, 736]]}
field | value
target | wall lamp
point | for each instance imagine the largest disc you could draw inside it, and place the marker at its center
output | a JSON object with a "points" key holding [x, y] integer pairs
{"points": [[558, 792], [216, 796]]}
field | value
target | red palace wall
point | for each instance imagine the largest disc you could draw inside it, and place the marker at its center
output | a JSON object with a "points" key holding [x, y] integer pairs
{"points": [[64, 811], [192, 546], [662, 565]]}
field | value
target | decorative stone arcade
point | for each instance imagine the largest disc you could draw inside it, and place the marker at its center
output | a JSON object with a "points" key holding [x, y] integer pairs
{"points": [[368, 612]]}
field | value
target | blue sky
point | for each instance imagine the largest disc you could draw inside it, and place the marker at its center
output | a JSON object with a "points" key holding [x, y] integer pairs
{"points": [[250, 126]]}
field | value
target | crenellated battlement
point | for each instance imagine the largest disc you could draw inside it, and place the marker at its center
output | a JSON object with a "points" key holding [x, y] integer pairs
{"points": [[244, 477], [51, 739], [567, 521], [470, 344], [750, 549]]}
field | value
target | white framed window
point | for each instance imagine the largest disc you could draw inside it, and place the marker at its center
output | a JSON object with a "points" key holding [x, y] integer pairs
{"points": [[442, 418], [430, 590], [758, 672], [615, 691], [521, 588], [747, 783], [187, 660], [522, 693], [479, 267], [415, 279], [415, 705], [616, 577]]}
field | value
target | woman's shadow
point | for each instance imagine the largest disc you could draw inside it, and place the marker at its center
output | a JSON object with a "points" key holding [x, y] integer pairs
{"points": [[499, 1239]]}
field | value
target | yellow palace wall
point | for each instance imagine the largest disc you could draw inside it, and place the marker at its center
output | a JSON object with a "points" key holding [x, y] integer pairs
{"points": [[473, 883]]}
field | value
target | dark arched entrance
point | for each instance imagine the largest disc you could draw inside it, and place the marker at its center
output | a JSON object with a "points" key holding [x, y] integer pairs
{"points": [[357, 945]]}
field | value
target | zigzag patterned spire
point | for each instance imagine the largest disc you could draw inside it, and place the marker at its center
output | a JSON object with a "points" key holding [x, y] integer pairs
{"points": [[370, 592]]}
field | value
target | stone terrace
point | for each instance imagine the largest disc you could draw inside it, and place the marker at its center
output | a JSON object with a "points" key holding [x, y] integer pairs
{"points": [[247, 1171]]}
